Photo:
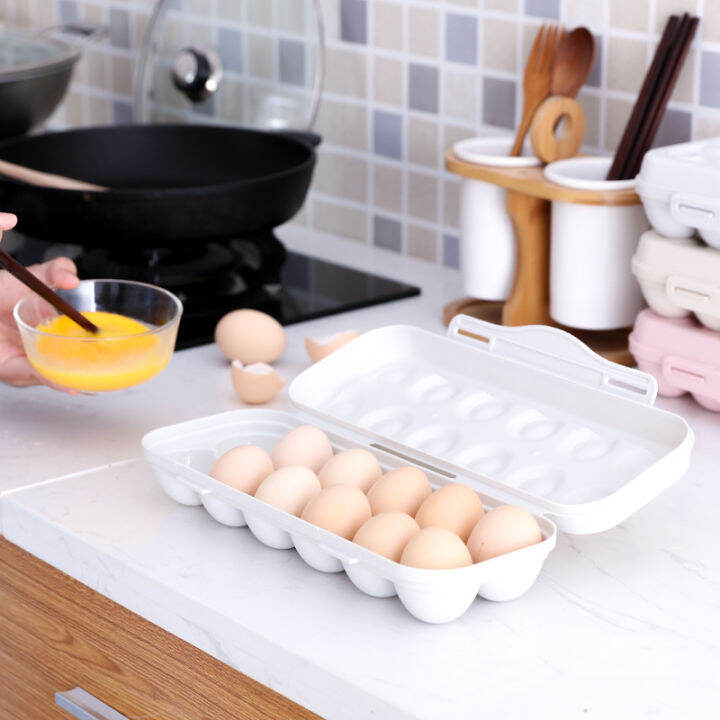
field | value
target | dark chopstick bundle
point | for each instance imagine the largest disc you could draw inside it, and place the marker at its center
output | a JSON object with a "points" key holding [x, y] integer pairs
{"points": [[654, 95]]}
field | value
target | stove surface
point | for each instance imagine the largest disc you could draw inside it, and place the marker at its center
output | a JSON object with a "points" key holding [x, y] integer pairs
{"points": [[221, 277]]}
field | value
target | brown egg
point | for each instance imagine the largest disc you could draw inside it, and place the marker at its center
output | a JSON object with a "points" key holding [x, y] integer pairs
{"points": [[502, 530], [250, 336], [305, 445], [435, 548], [356, 467], [290, 488], [243, 467], [387, 534], [319, 348], [341, 509], [455, 507], [255, 384], [403, 489]]}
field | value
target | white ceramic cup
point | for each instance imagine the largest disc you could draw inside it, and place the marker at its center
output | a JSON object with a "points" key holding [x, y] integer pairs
{"points": [[591, 282], [487, 240]]}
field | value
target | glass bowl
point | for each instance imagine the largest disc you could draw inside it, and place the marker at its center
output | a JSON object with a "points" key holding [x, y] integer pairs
{"points": [[110, 362]]}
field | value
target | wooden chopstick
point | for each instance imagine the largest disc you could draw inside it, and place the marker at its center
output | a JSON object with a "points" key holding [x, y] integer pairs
{"points": [[39, 287], [639, 111], [656, 112]]}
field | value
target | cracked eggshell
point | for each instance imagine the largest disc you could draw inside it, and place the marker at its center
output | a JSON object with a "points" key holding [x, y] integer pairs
{"points": [[436, 548], [250, 336], [455, 507], [290, 489], [340, 509], [357, 467], [243, 467], [387, 534], [319, 348], [502, 530], [255, 384], [305, 445]]}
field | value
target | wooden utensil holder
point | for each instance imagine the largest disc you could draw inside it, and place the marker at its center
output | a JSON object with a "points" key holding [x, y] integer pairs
{"points": [[529, 194]]}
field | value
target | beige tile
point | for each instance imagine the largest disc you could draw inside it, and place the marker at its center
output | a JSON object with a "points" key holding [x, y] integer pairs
{"points": [[423, 31], [685, 88], [122, 80], [231, 100], [43, 13], [710, 25], [343, 124], [461, 95], [665, 8], [341, 176], [591, 106], [451, 204], [499, 44], [291, 15], [340, 220], [626, 64], [345, 72], [388, 25], [74, 109], [387, 188], [706, 126], [463, 3], [422, 196], [456, 133], [528, 38], [230, 10], [331, 17], [388, 81], [96, 69], [422, 242], [630, 14], [502, 5], [422, 139], [585, 12], [617, 113], [261, 60], [99, 110], [259, 12]]}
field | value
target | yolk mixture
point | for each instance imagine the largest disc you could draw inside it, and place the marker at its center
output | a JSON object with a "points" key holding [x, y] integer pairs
{"points": [[119, 356]]}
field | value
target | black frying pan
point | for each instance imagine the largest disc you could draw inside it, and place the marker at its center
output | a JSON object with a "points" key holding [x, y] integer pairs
{"points": [[170, 185]]}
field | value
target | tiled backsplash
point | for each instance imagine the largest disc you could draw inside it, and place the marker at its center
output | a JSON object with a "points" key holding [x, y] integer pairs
{"points": [[407, 78]]}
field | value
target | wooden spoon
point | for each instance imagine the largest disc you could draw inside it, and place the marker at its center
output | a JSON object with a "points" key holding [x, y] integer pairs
{"points": [[39, 287], [43, 179], [574, 57]]}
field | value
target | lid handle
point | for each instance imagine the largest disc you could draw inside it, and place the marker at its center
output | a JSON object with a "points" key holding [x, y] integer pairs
{"points": [[689, 374], [691, 293], [695, 210], [555, 351]]}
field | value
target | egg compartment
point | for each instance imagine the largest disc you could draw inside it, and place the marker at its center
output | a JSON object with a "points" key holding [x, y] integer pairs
{"points": [[676, 185], [182, 456], [681, 355], [529, 411], [679, 276]]}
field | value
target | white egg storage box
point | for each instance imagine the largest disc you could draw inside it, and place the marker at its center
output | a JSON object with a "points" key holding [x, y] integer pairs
{"points": [[527, 416], [678, 186], [679, 276]]}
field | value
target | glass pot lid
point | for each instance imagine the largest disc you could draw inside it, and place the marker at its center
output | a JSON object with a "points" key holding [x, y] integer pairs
{"points": [[253, 63], [24, 55]]}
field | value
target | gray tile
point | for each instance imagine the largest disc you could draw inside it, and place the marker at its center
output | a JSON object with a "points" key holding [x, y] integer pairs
{"points": [[119, 28], [292, 61], [451, 251], [544, 8], [594, 78], [122, 112], [709, 74], [499, 102], [387, 233], [68, 11], [461, 33], [423, 90], [230, 47], [353, 21], [387, 134], [206, 107], [676, 127]]}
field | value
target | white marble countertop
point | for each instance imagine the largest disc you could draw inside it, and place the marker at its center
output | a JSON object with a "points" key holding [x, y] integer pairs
{"points": [[621, 624]]}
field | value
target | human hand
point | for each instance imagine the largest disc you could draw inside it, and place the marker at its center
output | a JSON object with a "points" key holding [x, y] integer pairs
{"points": [[15, 368]]}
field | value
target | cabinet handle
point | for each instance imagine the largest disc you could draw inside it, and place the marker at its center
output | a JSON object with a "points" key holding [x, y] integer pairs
{"points": [[84, 706]]}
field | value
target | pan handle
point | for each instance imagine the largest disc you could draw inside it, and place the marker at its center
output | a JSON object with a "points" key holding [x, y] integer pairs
{"points": [[307, 138]]}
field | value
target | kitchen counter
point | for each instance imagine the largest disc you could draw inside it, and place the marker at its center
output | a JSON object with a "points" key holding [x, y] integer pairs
{"points": [[621, 624]]}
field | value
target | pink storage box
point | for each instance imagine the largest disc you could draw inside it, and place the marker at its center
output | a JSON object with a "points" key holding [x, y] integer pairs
{"points": [[680, 354]]}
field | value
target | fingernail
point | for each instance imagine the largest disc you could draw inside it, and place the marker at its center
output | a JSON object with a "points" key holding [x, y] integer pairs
{"points": [[7, 220]]}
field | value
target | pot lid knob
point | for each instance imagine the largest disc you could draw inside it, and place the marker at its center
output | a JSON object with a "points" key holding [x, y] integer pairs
{"points": [[196, 72]]}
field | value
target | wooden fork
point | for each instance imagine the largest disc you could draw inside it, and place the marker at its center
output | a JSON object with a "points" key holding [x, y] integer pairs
{"points": [[536, 84]]}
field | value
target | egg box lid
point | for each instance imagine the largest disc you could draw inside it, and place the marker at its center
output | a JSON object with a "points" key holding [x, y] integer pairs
{"points": [[528, 414]]}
